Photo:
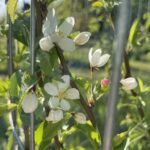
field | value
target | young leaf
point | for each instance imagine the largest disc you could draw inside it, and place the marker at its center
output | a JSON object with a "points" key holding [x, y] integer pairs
{"points": [[11, 8], [5, 108], [45, 132], [13, 85], [133, 30]]}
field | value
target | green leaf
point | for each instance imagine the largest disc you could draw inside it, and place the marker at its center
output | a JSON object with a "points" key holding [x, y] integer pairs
{"points": [[45, 63], [133, 30], [11, 8], [120, 139], [5, 108], [45, 132], [91, 134], [98, 4], [13, 86]]}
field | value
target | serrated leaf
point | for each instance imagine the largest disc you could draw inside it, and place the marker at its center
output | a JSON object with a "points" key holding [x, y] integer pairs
{"points": [[11, 8], [5, 108]]}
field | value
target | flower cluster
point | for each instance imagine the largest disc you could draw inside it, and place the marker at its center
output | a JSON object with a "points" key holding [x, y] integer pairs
{"points": [[61, 93], [54, 34]]}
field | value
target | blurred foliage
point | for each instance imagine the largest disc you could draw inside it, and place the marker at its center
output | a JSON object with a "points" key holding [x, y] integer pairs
{"points": [[98, 17]]}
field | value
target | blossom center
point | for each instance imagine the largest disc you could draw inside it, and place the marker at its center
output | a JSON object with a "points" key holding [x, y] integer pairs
{"points": [[61, 95]]}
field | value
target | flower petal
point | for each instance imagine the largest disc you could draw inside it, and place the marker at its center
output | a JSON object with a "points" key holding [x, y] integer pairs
{"points": [[66, 44], [55, 116], [64, 105], [80, 118], [50, 24], [53, 102], [20, 5], [66, 79], [62, 87], [90, 55], [72, 94], [27, 2], [3, 11], [96, 57], [103, 60], [46, 43], [129, 83], [51, 89], [67, 26], [29, 103], [82, 38]]}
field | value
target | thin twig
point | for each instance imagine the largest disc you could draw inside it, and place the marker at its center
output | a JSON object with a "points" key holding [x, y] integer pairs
{"points": [[58, 143], [13, 130], [12, 117], [73, 84], [32, 49]]}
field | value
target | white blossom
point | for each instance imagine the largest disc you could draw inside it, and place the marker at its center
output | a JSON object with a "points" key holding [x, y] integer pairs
{"points": [[61, 93], [57, 35], [129, 83], [96, 59], [82, 38], [55, 116], [80, 118], [3, 12], [20, 5], [29, 103], [27, 2]]}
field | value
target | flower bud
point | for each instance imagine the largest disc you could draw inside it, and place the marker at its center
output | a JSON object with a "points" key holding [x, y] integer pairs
{"points": [[80, 118], [82, 38], [129, 83], [104, 83], [55, 116], [29, 103], [46, 43], [91, 101]]}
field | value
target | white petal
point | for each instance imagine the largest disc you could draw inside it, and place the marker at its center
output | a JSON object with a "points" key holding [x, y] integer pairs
{"points": [[82, 38], [80, 118], [51, 89], [64, 105], [53, 102], [3, 12], [103, 60], [55, 116], [20, 5], [90, 55], [96, 57], [72, 94], [50, 24], [27, 2], [29, 103], [66, 44], [62, 87], [129, 83], [46, 43], [66, 79], [67, 26]]}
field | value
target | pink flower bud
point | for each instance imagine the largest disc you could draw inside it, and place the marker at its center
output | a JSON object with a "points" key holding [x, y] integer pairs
{"points": [[104, 83]]}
